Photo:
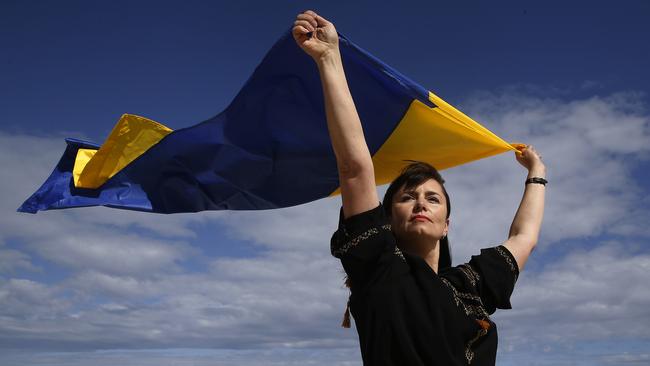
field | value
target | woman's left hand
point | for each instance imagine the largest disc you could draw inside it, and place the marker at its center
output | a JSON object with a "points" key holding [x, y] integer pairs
{"points": [[530, 159]]}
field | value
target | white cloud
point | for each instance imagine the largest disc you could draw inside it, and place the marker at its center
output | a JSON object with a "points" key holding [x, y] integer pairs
{"points": [[24, 300], [288, 304], [12, 260], [296, 228], [590, 294], [110, 252]]}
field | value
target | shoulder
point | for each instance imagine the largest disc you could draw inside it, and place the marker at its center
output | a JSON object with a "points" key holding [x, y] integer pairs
{"points": [[490, 275], [497, 259], [365, 228]]}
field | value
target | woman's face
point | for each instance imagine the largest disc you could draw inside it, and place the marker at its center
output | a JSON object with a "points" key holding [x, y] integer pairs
{"points": [[420, 212]]}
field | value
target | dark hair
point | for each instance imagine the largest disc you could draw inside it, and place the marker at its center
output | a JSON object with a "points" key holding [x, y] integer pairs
{"points": [[412, 176]]}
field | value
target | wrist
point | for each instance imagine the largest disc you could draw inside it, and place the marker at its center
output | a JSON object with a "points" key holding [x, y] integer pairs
{"points": [[328, 59], [538, 171]]}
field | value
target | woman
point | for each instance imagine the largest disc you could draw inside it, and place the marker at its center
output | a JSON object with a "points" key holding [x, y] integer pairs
{"points": [[410, 306]]}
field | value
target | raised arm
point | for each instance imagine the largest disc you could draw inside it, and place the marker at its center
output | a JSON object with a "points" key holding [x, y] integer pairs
{"points": [[526, 225], [318, 38]]}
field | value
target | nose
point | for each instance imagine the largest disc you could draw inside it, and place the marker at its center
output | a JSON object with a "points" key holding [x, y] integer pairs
{"points": [[419, 205]]}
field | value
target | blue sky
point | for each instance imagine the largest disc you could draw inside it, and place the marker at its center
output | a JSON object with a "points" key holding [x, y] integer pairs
{"points": [[104, 286]]}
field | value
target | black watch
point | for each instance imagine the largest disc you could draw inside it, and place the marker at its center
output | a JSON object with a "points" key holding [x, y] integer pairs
{"points": [[537, 180]]}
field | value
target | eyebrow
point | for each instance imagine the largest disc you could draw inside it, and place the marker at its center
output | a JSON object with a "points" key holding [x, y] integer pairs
{"points": [[427, 193]]}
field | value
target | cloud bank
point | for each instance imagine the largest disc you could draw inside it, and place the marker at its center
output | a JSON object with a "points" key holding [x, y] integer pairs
{"points": [[101, 285]]}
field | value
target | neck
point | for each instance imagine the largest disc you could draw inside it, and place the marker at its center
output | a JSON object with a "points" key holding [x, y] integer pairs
{"points": [[432, 257], [430, 253]]}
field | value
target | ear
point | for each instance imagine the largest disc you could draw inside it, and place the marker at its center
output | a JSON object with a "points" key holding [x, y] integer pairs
{"points": [[446, 227]]}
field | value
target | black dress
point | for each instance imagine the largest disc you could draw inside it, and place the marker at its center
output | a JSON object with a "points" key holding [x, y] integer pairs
{"points": [[405, 313]]}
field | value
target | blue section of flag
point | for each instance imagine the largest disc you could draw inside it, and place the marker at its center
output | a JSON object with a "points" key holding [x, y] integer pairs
{"points": [[269, 148]]}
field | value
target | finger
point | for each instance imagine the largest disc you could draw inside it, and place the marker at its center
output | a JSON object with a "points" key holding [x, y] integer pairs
{"points": [[309, 18], [322, 21], [300, 31], [305, 24], [519, 147], [311, 13]]}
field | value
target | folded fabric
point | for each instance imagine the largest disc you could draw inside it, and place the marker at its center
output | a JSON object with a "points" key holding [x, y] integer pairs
{"points": [[269, 148]]}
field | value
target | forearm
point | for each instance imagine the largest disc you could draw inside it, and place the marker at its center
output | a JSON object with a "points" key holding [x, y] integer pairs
{"points": [[343, 121], [318, 38], [528, 219]]}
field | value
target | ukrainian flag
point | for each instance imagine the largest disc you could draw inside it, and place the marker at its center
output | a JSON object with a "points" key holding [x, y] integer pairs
{"points": [[269, 148]]}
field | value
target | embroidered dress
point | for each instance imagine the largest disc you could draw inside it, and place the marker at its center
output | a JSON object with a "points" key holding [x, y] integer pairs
{"points": [[405, 313]]}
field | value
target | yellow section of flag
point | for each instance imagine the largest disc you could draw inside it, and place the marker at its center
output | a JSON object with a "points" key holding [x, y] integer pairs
{"points": [[131, 136]]}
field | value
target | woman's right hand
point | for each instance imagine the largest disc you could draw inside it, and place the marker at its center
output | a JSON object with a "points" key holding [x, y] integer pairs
{"points": [[315, 35]]}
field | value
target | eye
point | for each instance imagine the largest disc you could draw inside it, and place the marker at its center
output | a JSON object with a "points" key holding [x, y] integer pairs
{"points": [[406, 197], [434, 199]]}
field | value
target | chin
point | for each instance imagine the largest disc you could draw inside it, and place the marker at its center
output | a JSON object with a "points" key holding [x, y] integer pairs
{"points": [[419, 233]]}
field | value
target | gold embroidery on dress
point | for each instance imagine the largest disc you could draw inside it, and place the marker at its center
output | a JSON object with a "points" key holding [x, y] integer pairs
{"points": [[508, 259], [476, 311], [469, 354], [398, 253], [359, 238], [470, 273]]}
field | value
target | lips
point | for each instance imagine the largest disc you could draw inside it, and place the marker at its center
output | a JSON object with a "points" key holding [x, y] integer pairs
{"points": [[420, 218]]}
